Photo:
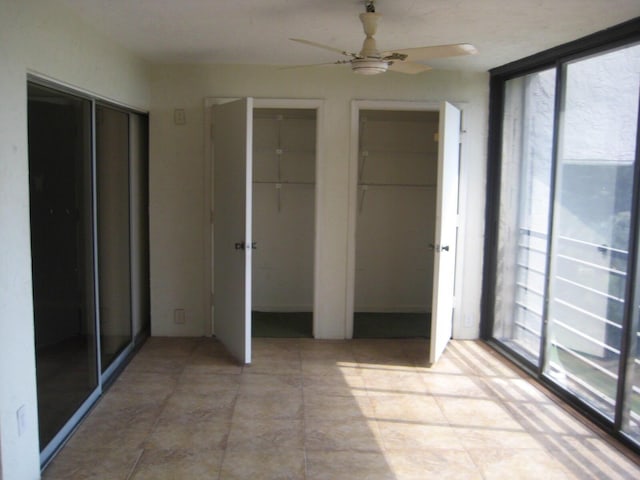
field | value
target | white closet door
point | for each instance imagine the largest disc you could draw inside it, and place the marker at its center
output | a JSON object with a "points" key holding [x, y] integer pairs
{"points": [[232, 147], [446, 230]]}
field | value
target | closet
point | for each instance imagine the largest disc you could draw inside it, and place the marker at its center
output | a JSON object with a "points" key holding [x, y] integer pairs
{"points": [[396, 219], [284, 159]]}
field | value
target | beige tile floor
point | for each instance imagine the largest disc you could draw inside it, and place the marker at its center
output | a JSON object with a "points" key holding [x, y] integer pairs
{"points": [[309, 409]]}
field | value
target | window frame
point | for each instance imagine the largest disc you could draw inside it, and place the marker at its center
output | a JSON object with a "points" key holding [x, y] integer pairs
{"points": [[557, 58]]}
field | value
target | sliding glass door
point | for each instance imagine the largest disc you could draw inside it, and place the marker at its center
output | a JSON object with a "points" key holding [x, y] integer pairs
{"points": [[630, 421], [88, 177], [114, 271], [527, 148], [591, 225], [565, 297], [62, 254]]}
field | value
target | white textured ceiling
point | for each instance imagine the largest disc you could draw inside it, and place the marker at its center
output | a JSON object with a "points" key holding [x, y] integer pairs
{"points": [[257, 31]]}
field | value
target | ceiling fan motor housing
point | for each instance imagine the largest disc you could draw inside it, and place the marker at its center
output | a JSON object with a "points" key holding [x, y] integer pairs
{"points": [[369, 66]]}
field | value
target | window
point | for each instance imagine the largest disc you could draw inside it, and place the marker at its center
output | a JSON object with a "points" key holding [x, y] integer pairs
{"points": [[527, 138], [588, 279], [559, 295]]}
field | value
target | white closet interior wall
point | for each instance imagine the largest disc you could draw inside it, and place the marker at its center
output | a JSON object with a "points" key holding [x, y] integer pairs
{"points": [[397, 174], [284, 144]]}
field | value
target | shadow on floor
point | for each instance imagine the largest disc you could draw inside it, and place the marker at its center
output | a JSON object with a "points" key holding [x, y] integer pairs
{"points": [[281, 324], [391, 325]]}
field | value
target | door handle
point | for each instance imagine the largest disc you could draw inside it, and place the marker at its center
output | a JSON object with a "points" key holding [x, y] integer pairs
{"points": [[243, 246], [439, 248]]}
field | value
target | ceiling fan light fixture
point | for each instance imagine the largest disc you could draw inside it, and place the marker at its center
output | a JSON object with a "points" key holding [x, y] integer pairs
{"points": [[364, 66]]}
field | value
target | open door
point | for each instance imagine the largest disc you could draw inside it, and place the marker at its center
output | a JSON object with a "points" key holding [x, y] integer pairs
{"points": [[232, 149], [446, 230]]}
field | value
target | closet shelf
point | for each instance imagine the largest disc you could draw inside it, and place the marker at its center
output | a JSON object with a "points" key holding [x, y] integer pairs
{"points": [[382, 151], [274, 182], [282, 151], [412, 185]]}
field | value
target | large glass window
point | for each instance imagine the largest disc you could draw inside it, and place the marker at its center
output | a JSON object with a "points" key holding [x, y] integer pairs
{"points": [[631, 411], [566, 228], [112, 168], [62, 254], [527, 146], [593, 201]]}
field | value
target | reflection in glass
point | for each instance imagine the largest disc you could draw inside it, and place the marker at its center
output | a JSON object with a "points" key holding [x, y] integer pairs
{"points": [[631, 406], [114, 279], [594, 185], [139, 168], [524, 211], [631, 412], [62, 259]]}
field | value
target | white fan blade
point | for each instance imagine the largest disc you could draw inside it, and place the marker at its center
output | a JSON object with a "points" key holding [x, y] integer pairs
{"points": [[326, 47], [408, 67], [436, 51]]}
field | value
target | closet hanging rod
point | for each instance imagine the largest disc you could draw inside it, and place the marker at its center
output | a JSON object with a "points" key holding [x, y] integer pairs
{"points": [[274, 182], [262, 116], [280, 150], [395, 151], [412, 185]]}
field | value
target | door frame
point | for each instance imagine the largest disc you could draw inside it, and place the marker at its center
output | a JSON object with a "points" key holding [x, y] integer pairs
{"points": [[207, 175], [391, 105]]}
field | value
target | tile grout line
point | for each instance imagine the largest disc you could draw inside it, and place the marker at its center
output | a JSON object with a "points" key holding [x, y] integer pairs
{"points": [[135, 465], [374, 417], [304, 421], [438, 401], [485, 379], [493, 384], [163, 405], [233, 409]]}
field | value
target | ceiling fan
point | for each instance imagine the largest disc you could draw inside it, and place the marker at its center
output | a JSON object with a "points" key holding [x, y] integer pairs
{"points": [[371, 61]]}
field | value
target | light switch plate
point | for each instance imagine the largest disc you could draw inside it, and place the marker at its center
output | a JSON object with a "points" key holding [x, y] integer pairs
{"points": [[179, 116]]}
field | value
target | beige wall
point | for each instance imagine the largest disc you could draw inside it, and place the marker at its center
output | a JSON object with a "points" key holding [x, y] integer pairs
{"points": [[37, 38], [178, 186]]}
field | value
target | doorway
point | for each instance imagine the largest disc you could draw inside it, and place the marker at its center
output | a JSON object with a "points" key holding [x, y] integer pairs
{"points": [[286, 164], [395, 223], [284, 158], [384, 250]]}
